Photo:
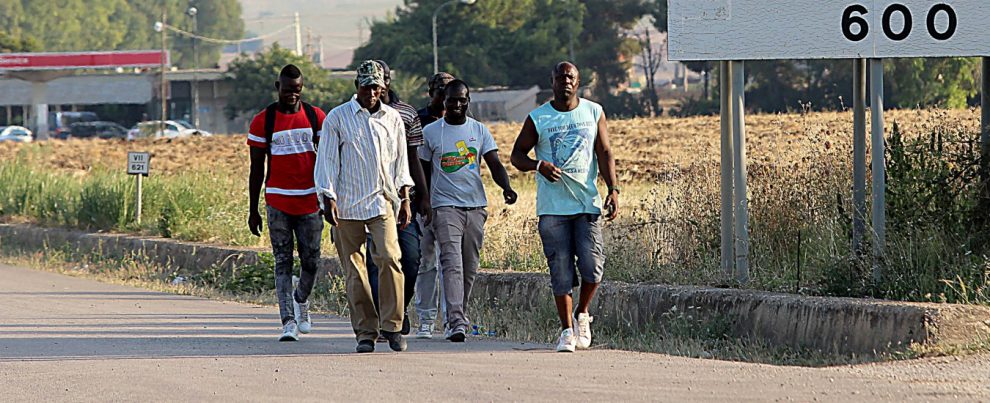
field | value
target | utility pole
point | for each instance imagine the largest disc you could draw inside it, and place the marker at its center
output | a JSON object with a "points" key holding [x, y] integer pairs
{"points": [[299, 50], [309, 44], [195, 81], [164, 83], [684, 76], [319, 59]]}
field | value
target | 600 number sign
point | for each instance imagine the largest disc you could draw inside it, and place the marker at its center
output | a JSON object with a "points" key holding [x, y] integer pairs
{"points": [[853, 16]]}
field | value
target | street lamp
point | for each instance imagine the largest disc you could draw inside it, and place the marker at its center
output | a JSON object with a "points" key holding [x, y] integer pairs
{"points": [[436, 57], [160, 28], [192, 12]]}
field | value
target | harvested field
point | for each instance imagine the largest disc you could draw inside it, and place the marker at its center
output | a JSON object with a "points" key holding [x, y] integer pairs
{"points": [[800, 190], [645, 148]]}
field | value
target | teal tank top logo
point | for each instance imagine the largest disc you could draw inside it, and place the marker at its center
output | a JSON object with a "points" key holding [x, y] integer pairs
{"points": [[567, 139]]}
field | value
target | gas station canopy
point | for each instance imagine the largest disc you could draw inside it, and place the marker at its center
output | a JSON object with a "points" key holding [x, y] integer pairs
{"points": [[81, 60], [41, 68]]}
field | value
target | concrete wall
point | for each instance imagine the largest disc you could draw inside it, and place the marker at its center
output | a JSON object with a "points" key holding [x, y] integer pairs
{"points": [[832, 325]]}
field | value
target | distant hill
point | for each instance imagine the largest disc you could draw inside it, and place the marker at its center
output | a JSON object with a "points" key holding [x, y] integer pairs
{"points": [[337, 21]]}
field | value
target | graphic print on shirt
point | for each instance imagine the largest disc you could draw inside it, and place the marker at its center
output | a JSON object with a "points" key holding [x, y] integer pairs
{"points": [[570, 146], [295, 141], [464, 157], [290, 187]]}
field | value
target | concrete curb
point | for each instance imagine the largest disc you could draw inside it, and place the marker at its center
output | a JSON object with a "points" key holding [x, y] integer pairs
{"points": [[830, 325]]}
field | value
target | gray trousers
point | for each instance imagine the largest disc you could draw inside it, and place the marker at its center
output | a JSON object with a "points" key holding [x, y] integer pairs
{"points": [[459, 233], [427, 293], [286, 231]]}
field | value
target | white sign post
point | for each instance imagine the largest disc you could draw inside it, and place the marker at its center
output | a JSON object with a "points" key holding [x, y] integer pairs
{"points": [[704, 30], [138, 164], [738, 30]]}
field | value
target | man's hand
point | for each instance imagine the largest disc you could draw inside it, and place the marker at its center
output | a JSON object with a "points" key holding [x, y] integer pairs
{"points": [[549, 171], [425, 208], [612, 205], [405, 214], [510, 196], [254, 223], [330, 211]]}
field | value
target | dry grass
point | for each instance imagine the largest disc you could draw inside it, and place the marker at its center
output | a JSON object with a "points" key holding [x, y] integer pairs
{"points": [[799, 172], [645, 148]]}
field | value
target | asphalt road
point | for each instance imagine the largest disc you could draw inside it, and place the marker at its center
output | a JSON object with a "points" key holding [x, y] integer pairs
{"points": [[70, 339]]}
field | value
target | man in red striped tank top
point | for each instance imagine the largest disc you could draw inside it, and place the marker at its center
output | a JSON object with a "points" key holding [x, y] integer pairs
{"points": [[285, 135]]}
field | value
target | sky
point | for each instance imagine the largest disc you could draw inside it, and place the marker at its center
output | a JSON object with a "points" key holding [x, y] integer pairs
{"points": [[343, 24]]}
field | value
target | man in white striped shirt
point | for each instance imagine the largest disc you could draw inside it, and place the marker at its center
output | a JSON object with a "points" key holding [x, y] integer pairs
{"points": [[362, 175]]}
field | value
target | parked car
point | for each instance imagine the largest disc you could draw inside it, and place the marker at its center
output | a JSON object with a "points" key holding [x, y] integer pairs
{"points": [[172, 129], [195, 131], [60, 123], [103, 130], [16, 134]]}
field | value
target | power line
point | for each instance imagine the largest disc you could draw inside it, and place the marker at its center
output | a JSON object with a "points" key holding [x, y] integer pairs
{"points": [[226, 41], [306, 15]]}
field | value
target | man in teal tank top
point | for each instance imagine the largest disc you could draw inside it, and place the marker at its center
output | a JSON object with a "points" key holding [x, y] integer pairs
{"points": [[570, 136]]}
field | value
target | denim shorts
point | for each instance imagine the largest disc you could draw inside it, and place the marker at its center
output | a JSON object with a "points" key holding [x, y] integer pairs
{"points": [[573, 247]]}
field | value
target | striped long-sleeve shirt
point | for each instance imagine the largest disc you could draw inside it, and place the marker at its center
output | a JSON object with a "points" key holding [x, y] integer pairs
{"points": [[410, 118], [362, 161]]}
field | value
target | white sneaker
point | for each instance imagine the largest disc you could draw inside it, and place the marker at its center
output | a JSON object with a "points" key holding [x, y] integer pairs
{"points": [[567, 342], [300, 311], [290, 332], [425, 331], [584, 330]]}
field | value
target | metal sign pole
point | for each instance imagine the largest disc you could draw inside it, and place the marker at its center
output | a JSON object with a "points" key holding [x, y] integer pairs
{"points": [[138, 164], [739, 156], [985, 135], [859, 156], [725, 86], [137, 208], [879, 169]]}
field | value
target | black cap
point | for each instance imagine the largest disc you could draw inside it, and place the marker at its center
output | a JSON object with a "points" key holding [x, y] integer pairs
{"points": [[388, 71]]}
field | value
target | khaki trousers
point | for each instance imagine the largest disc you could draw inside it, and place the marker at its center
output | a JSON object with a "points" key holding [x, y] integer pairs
{"points": [[350, 241]]}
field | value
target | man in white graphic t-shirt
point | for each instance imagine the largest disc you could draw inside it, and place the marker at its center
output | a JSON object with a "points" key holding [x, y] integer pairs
{"points": [[454, 147]]}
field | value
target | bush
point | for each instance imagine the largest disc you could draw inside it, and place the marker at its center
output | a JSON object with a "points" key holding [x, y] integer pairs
{"points": [[697, 107], [626, 105]]}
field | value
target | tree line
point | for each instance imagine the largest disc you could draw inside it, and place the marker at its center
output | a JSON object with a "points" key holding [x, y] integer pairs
{"points": [[493, 43], [93, 25]]}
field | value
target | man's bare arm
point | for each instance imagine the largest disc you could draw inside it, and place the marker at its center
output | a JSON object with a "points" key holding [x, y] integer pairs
{"points": [[606, 168], [526, 142], [256, 180]]}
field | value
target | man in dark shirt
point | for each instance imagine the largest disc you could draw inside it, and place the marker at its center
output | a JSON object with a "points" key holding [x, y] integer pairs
{"points": [[434, 111], [408, 237]]}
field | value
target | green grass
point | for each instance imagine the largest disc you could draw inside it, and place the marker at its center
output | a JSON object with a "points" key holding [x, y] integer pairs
{"points": [[668, 231], [191, 206]]}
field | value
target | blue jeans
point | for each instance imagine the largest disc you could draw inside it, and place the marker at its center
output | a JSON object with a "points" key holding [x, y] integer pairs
{"points": [[409, 245], [573, 246]]}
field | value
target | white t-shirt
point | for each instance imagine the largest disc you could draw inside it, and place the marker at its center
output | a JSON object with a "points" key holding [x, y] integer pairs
{"points": [[455, 152]]}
